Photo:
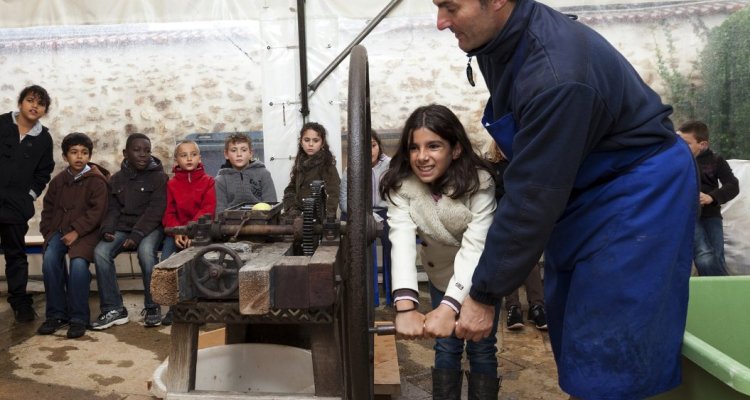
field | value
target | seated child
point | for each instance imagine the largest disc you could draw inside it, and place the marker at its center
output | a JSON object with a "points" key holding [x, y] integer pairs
{"points": [[314, 161], [242, 180], [74, 207], [133, 221], [190, 195]]}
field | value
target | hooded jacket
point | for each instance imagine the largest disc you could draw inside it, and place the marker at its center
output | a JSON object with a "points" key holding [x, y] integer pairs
{"points": [[252, 184], [26, 167], [138, 200], [76, 203], [713, 169], [190, 195], [571, 94]]}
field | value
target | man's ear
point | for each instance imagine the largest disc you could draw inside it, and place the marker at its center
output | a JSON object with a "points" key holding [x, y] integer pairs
{"points": [[124, 153], [703, 145], [496, 5]]}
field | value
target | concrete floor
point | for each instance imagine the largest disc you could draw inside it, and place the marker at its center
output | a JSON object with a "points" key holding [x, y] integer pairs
{"points": [[117, 363]]}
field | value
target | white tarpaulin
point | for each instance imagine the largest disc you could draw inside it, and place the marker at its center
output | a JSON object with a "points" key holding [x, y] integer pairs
{"points": [[736, 215]]}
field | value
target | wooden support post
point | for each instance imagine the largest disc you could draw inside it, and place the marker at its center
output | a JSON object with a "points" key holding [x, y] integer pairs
{"points": [[183, 357], [327, 367]]}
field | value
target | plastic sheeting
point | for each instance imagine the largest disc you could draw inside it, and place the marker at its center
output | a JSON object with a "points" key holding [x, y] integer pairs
{"points": [[28, 13], [736, 215], [282, 118]]}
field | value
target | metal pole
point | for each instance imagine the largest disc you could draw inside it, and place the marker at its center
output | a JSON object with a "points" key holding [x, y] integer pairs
{"points": [[313, 86], [301, 32]]}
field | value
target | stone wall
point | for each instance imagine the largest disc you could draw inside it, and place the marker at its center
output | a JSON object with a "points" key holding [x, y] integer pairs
{"points": [[168, 83]]}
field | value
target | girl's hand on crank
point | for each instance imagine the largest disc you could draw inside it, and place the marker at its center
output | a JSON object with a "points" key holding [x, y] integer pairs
{"points": [[409, 322], [440, 322], [475, 321]]}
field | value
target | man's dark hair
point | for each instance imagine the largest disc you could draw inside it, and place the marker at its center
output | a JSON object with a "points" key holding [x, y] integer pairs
{"points": [[134, 136], [698, 129], [76, 139], [36, 91]]}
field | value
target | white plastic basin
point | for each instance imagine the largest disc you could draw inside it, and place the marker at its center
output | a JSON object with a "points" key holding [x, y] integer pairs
{"points": [[248, 368]]}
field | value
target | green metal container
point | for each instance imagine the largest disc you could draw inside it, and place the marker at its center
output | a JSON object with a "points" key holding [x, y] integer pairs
{"points": [[716, 347]]}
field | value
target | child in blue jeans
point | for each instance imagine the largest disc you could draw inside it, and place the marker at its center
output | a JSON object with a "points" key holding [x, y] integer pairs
{"points": [[74, 207], [437, 187], [133, 221]]}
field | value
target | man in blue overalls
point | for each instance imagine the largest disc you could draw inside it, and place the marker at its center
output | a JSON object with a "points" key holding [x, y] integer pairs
{"points": [[598, 181]]}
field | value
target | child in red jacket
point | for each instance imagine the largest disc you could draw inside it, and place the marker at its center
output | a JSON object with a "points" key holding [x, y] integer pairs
{"points": [[190, 195]]}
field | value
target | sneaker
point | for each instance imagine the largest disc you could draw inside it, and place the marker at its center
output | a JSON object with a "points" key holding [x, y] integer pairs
{"points": [[114, 317], [76, 330], [151, 317], [167, 318], [24, 313], [515, 318], [51, 326], [538, 316]]}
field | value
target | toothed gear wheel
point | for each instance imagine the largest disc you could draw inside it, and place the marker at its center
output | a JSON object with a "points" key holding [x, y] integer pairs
{"points": [[318, 190], [309, 239]]}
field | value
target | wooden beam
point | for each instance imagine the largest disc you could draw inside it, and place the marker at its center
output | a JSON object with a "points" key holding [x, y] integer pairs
{"points": [[289, 287], [321, 276]]}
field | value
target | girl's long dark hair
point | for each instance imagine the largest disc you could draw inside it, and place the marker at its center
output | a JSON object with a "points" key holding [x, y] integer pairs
{"points": [[328, 158], [462, 176]]}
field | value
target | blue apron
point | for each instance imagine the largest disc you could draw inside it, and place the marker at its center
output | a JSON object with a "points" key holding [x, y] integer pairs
{"points": [[617, 267]]}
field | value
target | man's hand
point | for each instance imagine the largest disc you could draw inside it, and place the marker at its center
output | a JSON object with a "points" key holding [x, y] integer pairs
{"points": [[70, 238], [705, 199], [475, 321], [108, 237], [440, 322]]}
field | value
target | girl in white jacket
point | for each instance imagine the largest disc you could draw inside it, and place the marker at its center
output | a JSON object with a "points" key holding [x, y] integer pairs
{"points": [[437, 187]]}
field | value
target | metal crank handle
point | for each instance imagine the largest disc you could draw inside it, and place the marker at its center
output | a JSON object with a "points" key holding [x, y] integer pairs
{"points": [[385, 329]]}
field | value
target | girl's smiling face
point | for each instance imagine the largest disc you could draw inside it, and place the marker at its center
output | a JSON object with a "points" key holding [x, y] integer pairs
{"points": [[430, 155]]}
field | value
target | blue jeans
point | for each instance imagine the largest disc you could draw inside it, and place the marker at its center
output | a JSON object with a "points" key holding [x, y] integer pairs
{"points": [[106, 274], [708, 250], [482, 355], [67, 292], [168, 247]]}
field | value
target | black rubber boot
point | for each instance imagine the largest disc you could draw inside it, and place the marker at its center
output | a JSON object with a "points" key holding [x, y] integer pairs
{"points": [[446, 384], [483, 386]]}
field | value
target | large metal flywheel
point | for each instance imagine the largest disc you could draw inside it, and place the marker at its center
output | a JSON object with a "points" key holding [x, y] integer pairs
{"points": [[360, 233]]}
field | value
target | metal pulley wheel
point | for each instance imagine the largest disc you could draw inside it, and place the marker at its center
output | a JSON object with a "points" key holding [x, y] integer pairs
{"points": [[215, 271], [357, 273]]}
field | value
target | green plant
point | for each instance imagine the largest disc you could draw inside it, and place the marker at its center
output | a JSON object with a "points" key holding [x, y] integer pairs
{"points": [[725, 94]]}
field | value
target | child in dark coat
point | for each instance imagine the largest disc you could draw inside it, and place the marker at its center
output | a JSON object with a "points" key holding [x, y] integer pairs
{"points": [[74, 207], [26, 164], [133, 221]]}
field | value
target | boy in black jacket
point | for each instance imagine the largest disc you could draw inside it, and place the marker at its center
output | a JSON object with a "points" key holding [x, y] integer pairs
{"points": [[133, 221], [26, 164], [708, 245]]}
